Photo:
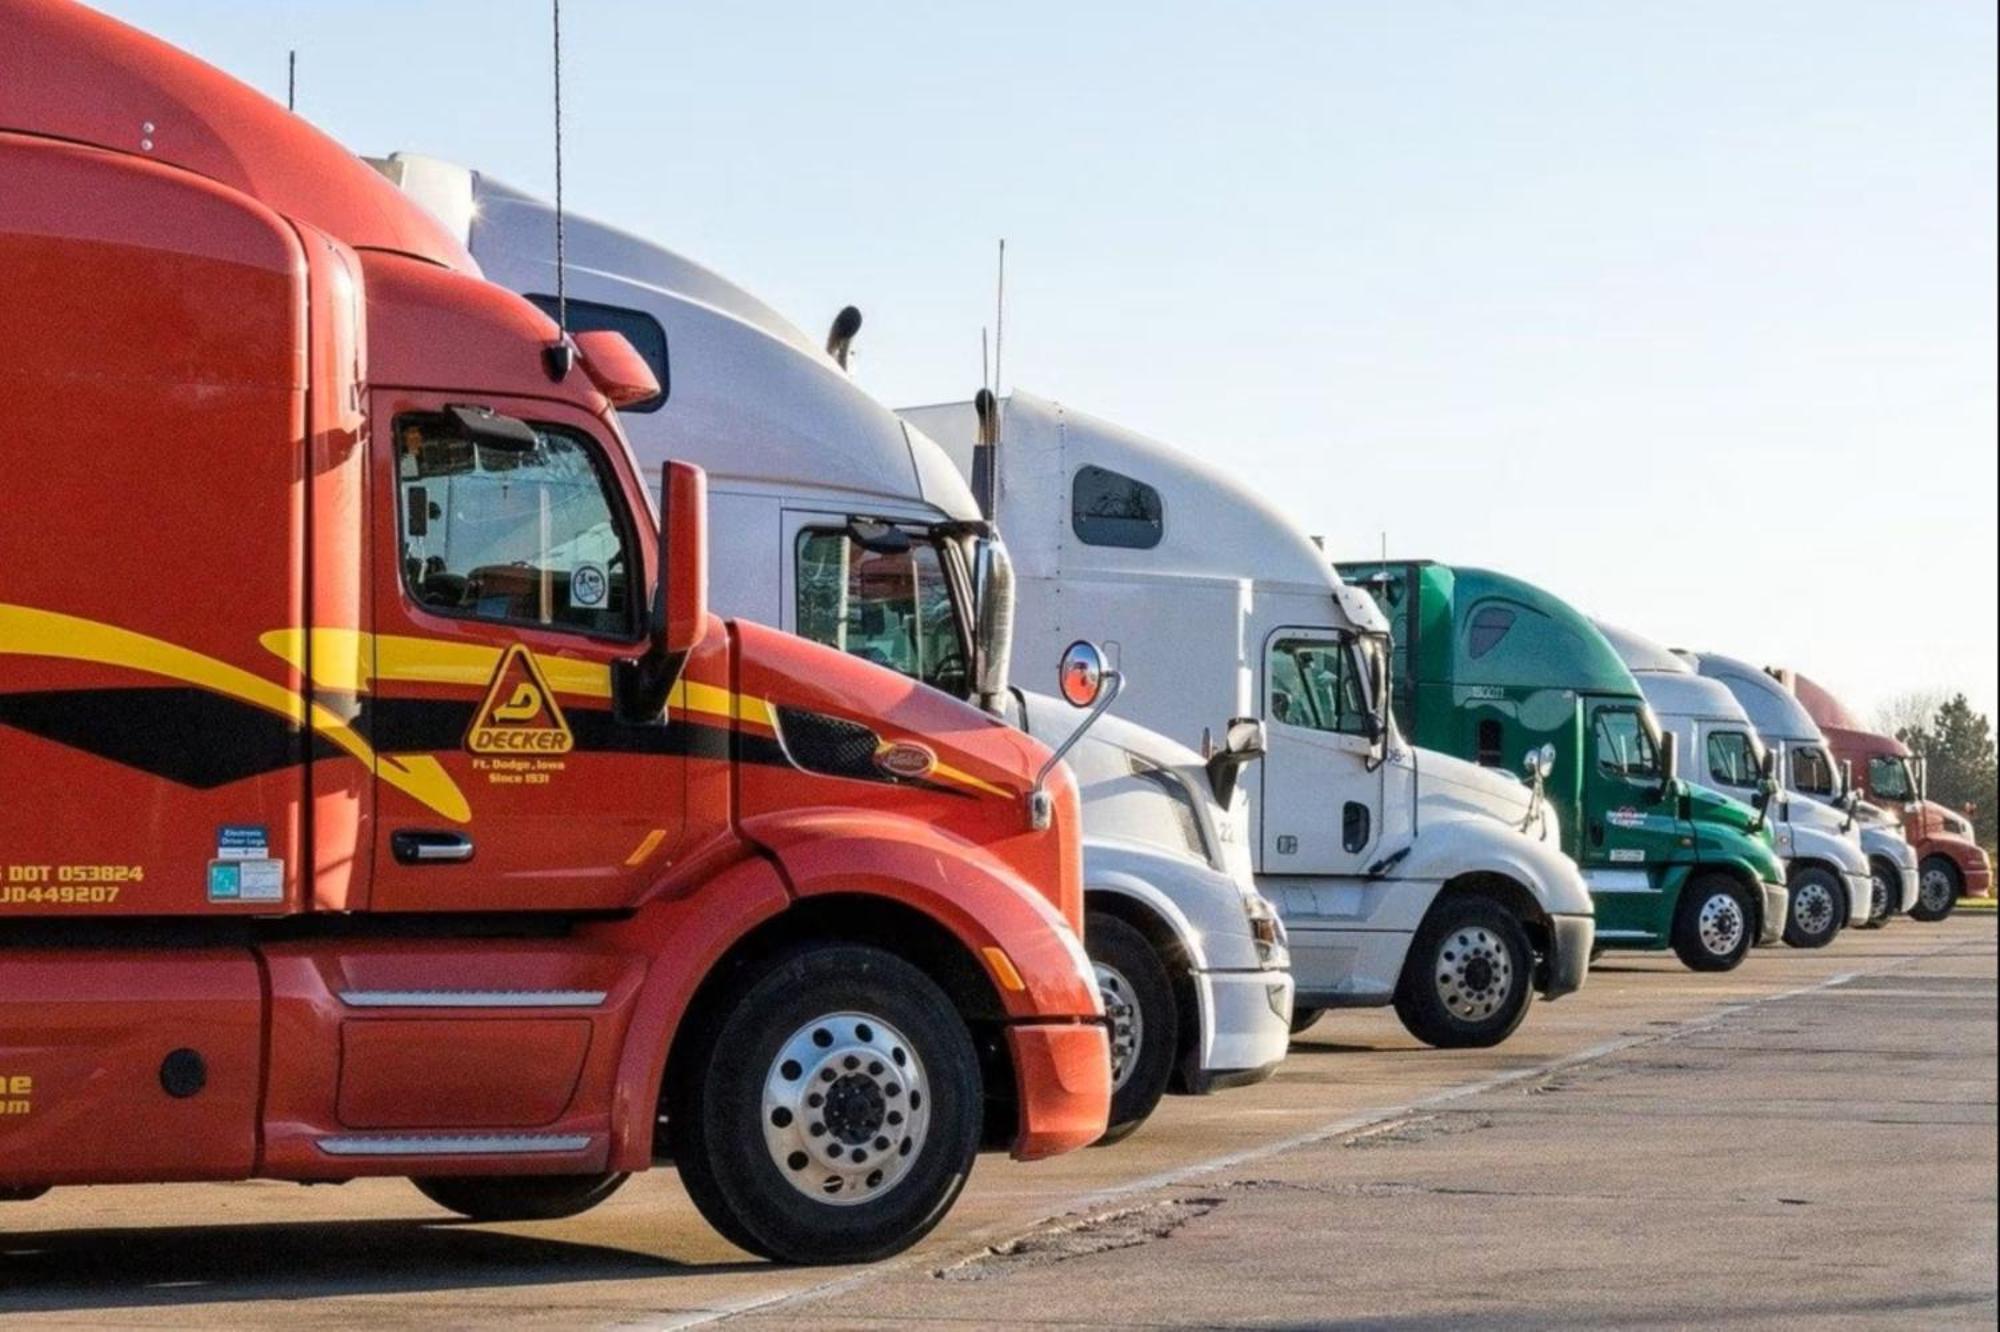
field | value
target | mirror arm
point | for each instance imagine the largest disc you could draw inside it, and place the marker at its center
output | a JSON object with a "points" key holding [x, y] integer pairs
{"points": [[1041, 806]]}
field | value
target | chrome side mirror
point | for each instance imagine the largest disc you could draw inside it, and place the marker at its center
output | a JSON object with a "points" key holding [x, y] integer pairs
{"points": [[1085, 681]]}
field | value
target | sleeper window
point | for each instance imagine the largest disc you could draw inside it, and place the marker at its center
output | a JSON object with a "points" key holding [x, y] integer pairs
{"points": [[520, 536], [1107, 509]]}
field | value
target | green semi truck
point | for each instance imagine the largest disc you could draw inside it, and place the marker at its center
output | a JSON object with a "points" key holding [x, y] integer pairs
{"points": [[1497, 671]]}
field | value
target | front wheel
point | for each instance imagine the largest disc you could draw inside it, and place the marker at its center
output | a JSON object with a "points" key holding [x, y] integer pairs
{"points": [[518, 1197], [1139, 1004], [1938, 887], [1817, 908], [1465, 984], [1712, 924], [832, 1109], [1884, 888]]}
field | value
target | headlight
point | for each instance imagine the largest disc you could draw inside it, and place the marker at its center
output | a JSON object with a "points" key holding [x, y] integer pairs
{"points": [[1267, 932]]}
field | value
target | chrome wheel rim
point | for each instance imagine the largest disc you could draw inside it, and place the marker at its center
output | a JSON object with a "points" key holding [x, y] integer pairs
{"points": [[1812, 908], [1127, 1022], [1720, 925], [846, 1108], [1475, 973], [1935, 888]]}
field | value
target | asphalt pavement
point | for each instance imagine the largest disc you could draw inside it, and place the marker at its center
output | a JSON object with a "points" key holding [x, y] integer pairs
{"points": [[1809, 1140]]}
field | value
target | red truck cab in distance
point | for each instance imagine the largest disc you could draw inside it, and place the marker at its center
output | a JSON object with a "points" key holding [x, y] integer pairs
{"points": [[383, 799], [1950, 863]]}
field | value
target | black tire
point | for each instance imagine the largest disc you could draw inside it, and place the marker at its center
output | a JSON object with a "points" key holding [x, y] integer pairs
{"points": [[1725, 941], [518, 1197], [1139, 1002], [1885, 890], [1938, 887], [851, 994], [1818, 907], [1468, 977], [1302, 1018]]}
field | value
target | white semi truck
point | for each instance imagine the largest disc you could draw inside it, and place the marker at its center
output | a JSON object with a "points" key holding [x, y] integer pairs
{"points": [[1404, 877], [1826, 871], [1807, 769], [833, 519]]}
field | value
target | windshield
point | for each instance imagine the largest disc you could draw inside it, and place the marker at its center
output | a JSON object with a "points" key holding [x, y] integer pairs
{"points": [[894, 607], [1889, 778]]}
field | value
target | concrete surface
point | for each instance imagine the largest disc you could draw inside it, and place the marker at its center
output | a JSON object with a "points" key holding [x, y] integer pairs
{"points": [[1808, 1140]]}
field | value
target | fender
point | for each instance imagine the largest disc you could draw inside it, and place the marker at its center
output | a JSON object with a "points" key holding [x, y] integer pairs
{"points": [[684, 936], [1447, 848], [1040, 972]]}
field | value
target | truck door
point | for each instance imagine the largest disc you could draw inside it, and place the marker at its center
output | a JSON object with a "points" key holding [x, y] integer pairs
{"points": [[509, 578], [1320, 802], [1629, 829]]}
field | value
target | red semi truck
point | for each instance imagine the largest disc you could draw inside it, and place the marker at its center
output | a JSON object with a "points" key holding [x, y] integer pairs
{"points": [[1950, 864], [381, 798]]}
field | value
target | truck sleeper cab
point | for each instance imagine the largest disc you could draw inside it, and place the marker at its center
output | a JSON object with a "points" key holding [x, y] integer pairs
{"points": [[1376, 855], [1951, 863], [1806, 768], [1499, 672], [455, 839], [1826, 871], [839, 523]]}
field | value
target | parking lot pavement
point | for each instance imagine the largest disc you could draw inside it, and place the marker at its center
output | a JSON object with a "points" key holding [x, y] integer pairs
{"points": [[1810, 1139]]}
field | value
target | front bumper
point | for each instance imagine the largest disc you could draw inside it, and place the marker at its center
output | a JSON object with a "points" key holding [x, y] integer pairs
{"points": [[1860, 898], [1571, 939], [1978, 877], [1777, 913], [1249, 1028], [1062, 1077]]}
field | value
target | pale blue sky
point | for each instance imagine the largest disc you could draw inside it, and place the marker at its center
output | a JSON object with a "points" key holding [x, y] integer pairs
{"points": [[1685, 310]]}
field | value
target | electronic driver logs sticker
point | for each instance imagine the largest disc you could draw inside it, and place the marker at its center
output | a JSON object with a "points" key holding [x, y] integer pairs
{"points": [[520, 717], [588, 587]]}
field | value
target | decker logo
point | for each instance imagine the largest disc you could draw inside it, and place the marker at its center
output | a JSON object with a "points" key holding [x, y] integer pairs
{"points": [[520, 714]]}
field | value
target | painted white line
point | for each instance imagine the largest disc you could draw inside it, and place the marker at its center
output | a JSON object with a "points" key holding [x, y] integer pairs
{"points": [[1354, 1123]]}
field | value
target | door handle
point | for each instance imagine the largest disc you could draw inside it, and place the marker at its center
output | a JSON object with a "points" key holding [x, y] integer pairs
{"points": [[430, 848]]}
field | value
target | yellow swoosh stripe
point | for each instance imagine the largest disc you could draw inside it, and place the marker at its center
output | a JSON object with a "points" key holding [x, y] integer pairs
{"points": [[25, 631]]}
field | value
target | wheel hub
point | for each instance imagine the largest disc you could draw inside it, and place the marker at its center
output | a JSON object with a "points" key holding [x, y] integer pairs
{"points": [[1475, 973], [1128, 1023], [1721, 924], [1812, 907], [846, 1108]]}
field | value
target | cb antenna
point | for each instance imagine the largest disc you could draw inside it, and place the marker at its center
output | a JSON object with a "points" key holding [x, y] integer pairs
{"points": [[291, 80], [558, 356], [1000, 317]]}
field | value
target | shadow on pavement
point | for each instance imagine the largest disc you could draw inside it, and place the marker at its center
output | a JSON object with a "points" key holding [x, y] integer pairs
{"points": [[157, 1266]]}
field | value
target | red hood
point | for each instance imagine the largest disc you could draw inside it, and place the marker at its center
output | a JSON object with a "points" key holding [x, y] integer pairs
{"points": [[975, 789], [71, 73]]}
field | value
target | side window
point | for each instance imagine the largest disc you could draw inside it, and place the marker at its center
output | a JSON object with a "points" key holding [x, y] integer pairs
{"points": [[1483, 632], [1732, 761], [1314, 685], [1812, 773], [1489, 743], [893, 608], [515, 536], [1107, 509], [1888, 778], [1624, 749], [640, 329]]}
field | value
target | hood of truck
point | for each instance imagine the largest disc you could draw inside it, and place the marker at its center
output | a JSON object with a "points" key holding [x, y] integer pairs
{"points": [[1451, 786], [820, 727], [1723, 828]]}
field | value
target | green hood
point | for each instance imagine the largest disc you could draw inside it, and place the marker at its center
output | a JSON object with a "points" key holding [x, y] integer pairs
{"points": [[1730, 827]]}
